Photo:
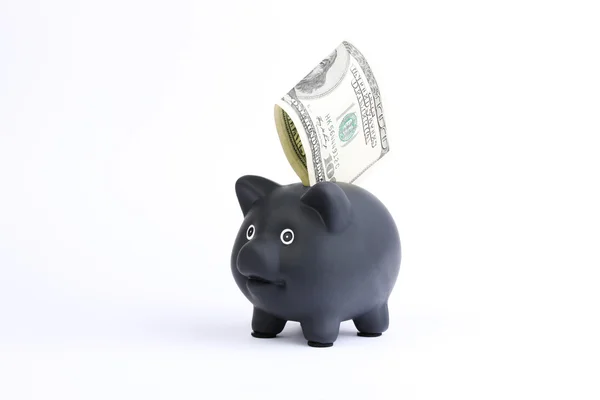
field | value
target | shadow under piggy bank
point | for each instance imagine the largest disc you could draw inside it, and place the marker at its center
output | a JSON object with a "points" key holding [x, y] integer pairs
{"points": [[317, 255]]}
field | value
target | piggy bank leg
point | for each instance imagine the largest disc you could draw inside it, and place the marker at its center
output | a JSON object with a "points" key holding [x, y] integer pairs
{"points": [[373, 323], [321, 332], [266, 326]]}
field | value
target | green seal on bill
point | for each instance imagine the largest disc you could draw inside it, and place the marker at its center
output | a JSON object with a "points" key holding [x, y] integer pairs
{"points": [[348, 128]]}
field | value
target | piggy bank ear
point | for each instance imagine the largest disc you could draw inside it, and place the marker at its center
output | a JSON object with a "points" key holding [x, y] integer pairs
{"points": [[250, 188], [332, 204]]}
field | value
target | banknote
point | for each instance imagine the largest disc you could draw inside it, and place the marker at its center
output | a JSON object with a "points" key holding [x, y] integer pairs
{"points": [[331, 123]]}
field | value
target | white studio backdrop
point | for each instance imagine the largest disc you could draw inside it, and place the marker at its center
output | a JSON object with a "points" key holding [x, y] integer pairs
{"points": [[124, 125]]}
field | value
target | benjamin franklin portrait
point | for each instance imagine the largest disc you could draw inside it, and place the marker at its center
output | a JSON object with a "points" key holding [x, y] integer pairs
{"points": [[325, 76]]}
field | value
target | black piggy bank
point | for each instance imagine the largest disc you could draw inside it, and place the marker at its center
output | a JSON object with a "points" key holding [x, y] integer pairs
{"points": [[317, 255]]}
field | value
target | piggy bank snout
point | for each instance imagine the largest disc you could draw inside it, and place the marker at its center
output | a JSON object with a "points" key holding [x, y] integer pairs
{"points": [[258, 258]]}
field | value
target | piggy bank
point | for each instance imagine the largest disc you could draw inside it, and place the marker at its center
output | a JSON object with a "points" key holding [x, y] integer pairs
{"points": [[318, 255]]}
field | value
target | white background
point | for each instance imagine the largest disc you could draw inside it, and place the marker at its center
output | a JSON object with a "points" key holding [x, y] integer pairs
{"points": [[124, 125]]}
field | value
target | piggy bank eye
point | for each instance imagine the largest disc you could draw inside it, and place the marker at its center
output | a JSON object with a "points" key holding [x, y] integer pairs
{"points": [[250, 232], [287, 236]]}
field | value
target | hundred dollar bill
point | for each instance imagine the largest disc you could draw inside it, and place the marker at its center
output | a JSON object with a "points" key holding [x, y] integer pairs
{"points": [[331, 124]]}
